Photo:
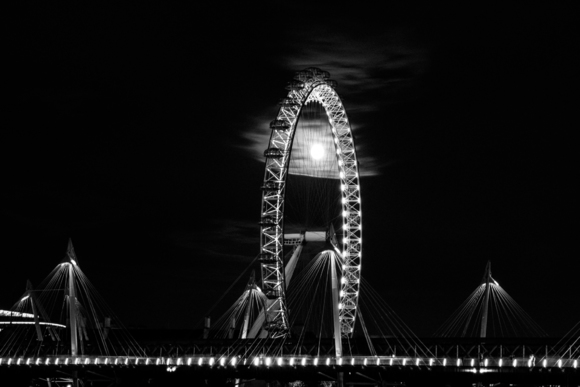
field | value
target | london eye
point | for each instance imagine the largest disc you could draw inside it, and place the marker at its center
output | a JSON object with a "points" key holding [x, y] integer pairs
{"points": [[310, 195]]}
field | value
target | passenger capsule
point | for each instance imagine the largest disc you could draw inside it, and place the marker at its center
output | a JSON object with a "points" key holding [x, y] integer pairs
{"points": [[268, 221], [266, 257], [332, 83], [288, 102], [279, 125], [295, 85], [273, 153], [272, 186]]}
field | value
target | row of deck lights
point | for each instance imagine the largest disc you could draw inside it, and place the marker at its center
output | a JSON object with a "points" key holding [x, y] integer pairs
{"points": [[271, 361]]}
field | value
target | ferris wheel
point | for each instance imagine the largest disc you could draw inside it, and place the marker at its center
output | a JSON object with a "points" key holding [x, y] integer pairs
{"points": [[310, 86]]}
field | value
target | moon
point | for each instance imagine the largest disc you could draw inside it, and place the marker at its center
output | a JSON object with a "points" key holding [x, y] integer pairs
{"points": [[317, 151]]}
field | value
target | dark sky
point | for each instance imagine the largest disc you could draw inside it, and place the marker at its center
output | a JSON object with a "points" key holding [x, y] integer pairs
{"points": [[137, 131]]}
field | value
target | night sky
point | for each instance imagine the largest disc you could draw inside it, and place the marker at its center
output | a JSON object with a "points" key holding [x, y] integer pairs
{"points": [[137, 130]]}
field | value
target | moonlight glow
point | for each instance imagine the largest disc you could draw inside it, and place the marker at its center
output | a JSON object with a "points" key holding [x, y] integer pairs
{"points": [[317, 152]]}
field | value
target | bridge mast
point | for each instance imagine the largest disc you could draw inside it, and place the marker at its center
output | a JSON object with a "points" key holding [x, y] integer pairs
{"points": [[72, 298], [72, 311], [335, 308], [487, 280]]}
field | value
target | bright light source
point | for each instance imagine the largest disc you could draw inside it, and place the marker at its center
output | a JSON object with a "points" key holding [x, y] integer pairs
{"points": [[317, 152], [73, 261]]}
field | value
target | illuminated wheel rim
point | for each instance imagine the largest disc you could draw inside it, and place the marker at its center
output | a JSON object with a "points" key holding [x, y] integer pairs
{"points": [[309, 85]]}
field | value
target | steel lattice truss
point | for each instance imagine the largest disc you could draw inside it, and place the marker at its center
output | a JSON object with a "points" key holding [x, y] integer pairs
{"points": [[308, 85]]}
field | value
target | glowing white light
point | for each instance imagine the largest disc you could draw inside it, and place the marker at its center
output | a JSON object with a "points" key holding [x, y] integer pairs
{"points": [[200, 361], [291, 361], [515, 363], [458, 362], [24, 298], [340, 305], [343, 200], [341, 174], [189, 361], [559, 363], [576, 363], [485, 363], [317, 151], [472, 362], [268, 361], [342, 187], [444, 362], [430, 362], [73, 261], [340, 361], [256, 361], [391, 361], [500, 362], [378, 361], [234, 361], [342, 280], [417, 362], [327, 361], [211, 361], [279, 361], [404, 361], [545, 363], [345, 213], [365, 361]]}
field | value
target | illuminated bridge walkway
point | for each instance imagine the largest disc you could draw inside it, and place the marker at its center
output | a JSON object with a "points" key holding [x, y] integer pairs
{"points": [[459, 360]]}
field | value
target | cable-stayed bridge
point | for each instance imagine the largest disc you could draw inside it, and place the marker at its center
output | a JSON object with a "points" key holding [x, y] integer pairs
{"points": [[308, 316]]}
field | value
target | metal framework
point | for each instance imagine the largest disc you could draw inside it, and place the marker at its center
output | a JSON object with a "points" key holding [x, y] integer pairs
{"points": [[309, 85]]}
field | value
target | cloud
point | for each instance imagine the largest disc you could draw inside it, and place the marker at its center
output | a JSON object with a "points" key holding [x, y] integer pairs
{"points": [[372, 74]]}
